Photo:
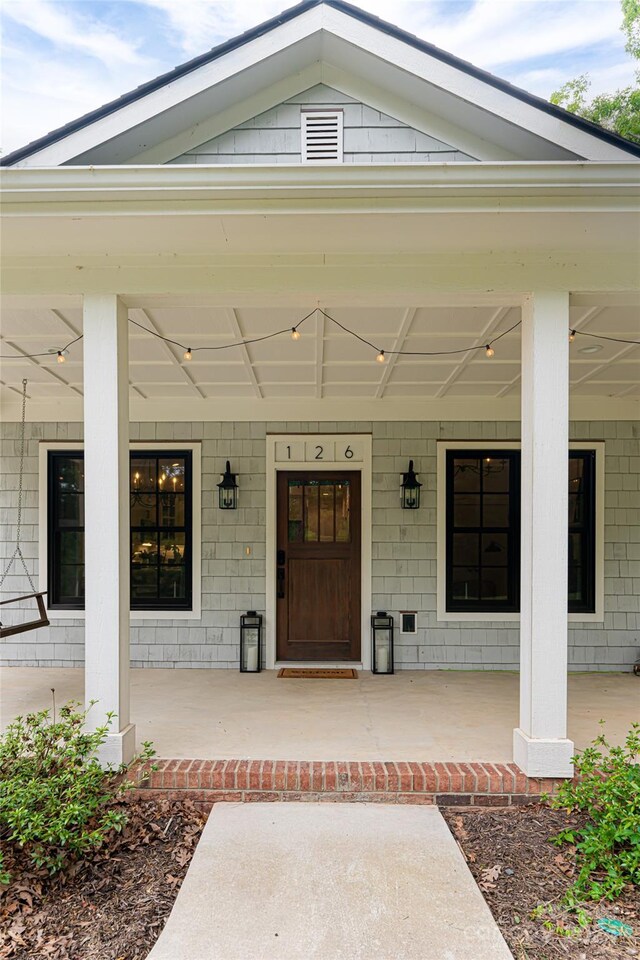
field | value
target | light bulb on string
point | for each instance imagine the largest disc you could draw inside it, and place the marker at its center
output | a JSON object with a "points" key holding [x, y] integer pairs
{"points": [[572, 336], [61, 357], [295, 333], [489, 351], [187, 354], [381, 357]]}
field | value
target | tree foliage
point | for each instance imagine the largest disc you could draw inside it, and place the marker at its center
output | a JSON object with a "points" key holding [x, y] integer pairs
{"points": [[619, 111]]}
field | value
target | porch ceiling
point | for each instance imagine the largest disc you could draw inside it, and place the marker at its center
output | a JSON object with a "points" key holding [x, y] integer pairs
{"points": [[326, 363]]}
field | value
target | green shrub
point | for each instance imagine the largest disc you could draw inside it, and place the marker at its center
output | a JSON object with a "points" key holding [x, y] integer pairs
{"points": [[607, 790], [56, 801]]}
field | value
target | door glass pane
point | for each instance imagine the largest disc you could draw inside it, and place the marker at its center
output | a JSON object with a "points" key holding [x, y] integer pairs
{"points": [[311, 511], [466, 510], [295, 511], [327, 488], [343, 533]]}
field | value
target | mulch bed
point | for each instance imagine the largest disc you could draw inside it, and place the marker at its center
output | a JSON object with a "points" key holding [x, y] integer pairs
{"points": [[114, 906], [517, 868]]}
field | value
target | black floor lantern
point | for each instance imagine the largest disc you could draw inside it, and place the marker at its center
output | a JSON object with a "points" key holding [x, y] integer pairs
{"points": [[250, 642], [381, 642]]}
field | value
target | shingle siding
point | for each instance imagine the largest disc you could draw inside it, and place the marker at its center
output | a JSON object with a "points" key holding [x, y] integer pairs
{"points": [[369, 136], [403, 549]]}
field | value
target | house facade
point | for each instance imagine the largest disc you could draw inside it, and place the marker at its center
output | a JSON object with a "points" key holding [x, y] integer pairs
{"points": [[326, 253]]}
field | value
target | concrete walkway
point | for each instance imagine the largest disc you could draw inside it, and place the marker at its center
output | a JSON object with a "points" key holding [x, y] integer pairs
{"points": [[324, 881]]}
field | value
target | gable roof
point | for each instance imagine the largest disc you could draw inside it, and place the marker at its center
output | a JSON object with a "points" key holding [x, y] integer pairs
{"points": [[223, 49]]}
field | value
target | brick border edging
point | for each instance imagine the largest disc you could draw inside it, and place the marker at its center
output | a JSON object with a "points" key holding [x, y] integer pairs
{"points": [[444, 784]]}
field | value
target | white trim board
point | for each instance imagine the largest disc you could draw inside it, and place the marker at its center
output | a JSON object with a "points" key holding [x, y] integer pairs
{"points": [[194, 446], [364, 441], [442, 613]]}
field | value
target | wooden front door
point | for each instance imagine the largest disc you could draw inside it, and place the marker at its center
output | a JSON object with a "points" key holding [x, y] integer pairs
{"points": [[318, 566]]}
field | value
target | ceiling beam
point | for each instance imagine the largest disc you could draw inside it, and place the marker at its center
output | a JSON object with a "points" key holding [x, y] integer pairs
{"points": [[405, 326], [490, 328], [234, 323], [23, 355], [144, 317], [320, 332]]}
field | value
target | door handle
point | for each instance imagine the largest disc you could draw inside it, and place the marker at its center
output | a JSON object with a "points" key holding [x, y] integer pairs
{"points": [[280, 583]]}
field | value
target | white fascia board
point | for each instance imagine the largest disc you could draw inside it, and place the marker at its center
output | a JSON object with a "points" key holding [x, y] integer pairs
{"points": [[469, 88], [176, 91], [224, 120], [66, 186], [243, 410]]}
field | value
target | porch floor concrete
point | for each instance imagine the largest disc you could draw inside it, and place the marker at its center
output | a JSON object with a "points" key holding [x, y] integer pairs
{"points": [[325, 881], [413, 715]]}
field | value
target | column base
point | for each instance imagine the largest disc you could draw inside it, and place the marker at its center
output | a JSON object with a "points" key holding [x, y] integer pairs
{"points": [[542, 757], [118, 748]]}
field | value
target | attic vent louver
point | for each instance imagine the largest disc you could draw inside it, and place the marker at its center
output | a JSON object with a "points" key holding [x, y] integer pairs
{"points": [[322, 136]]}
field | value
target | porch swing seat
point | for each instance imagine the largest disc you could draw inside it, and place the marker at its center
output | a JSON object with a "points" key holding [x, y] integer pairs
{"points": [[25, 626]]}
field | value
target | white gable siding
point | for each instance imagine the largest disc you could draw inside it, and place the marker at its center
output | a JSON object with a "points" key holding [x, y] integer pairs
{"points": [[369, 136]]}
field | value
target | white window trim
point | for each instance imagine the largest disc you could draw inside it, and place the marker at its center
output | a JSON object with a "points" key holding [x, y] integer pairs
{"points": [[196, 521], [442, 613]]}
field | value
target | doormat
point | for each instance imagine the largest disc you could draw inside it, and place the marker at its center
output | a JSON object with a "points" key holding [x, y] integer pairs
{"points": [[317, 673]]}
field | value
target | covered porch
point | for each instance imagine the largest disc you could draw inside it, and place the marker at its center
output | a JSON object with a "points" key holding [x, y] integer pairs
{"points": [[439, 716], [437, 264]]}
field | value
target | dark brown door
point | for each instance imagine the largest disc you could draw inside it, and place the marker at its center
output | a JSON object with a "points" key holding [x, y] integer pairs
{"points": [[318, 566]]}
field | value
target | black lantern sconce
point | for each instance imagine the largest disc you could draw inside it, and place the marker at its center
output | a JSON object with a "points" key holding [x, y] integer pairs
{"points": [[410, 489], [250, 642], [228, 490], [381, 642]]}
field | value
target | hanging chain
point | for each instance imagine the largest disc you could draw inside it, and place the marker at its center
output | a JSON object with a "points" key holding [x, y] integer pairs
{"points": [[17, 553]]}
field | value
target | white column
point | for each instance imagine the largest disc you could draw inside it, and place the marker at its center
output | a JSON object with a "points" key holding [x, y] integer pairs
{"points": [[106, 478], [540, 744]]}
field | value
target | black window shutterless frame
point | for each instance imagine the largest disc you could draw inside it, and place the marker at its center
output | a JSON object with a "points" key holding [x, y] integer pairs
{"points": [[167, 579], [581, 532], [483, 531]]}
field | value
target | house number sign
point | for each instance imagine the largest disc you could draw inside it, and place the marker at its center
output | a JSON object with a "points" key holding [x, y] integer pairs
{"points": [[319, 450]]}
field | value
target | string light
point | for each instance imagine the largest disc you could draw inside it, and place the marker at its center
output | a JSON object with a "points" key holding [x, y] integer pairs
{"points": [[294, 332]]}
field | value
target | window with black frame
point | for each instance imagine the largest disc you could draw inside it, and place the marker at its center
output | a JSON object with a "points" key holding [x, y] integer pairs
{"points": [[160, 543], [483, 531]]}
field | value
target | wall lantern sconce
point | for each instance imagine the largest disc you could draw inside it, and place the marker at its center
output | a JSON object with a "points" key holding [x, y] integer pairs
{"points": [[381, 642], [410, 489], [250, 642], [228, 490]]}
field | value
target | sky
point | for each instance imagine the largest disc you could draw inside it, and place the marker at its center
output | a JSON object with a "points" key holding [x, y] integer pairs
{"points": [[62, 58]]}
